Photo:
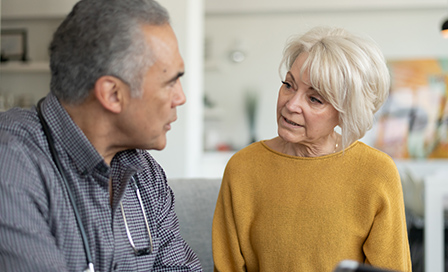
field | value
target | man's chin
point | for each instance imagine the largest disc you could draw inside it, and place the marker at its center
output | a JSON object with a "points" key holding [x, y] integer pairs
{"points": [[160, 145], [158, 148]]}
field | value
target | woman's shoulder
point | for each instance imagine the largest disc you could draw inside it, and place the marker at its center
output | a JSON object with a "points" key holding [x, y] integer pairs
{"points": [[376, 164], [250, 150], [369, 153], [249, 156]]}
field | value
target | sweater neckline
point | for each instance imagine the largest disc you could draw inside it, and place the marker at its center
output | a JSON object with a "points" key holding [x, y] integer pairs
{"points": [[336, 154]]}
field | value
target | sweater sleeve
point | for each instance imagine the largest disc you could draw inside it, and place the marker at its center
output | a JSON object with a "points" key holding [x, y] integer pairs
{"points": [[387, 244], [226, 248]]}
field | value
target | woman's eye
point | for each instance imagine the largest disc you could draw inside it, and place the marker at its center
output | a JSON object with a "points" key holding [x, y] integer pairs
{"points": [[286, 84], [315, 100]]}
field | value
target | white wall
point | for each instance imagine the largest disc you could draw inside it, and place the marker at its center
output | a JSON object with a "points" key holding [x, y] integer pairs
{"points": [[406, 32], [250, 6], [184, 141], [35, 9]]}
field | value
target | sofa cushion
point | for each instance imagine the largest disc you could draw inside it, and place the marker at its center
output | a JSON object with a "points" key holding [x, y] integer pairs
{"points": [[195, 201]]}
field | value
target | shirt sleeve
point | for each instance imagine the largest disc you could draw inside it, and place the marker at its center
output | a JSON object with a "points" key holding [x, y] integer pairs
{"points": [[226, 248], [174, 253], [387, 244], [26, 242]]}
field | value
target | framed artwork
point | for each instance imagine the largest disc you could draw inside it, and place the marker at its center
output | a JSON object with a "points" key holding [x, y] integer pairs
{"points": [[413, 122], [13, 45]]}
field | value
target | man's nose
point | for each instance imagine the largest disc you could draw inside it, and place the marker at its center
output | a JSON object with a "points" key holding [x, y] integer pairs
{"points": [[179, 96]]}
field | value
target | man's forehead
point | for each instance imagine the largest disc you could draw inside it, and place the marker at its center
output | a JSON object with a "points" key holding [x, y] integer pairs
{"points": [[164, 47], [162, 37]]}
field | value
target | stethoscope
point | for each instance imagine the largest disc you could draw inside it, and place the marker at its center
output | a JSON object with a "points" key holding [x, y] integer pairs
{"points": [[56, 160], [134, 184]]}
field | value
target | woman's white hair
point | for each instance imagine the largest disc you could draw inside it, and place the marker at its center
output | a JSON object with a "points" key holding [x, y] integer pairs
{"points": [[348, 71]]}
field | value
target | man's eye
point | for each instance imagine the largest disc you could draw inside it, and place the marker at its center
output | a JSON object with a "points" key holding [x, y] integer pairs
{"points": [[286, 84], [172, 83]]}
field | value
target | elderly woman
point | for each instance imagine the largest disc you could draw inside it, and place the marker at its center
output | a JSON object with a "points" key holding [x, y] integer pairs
{"points": [[310, 198]]}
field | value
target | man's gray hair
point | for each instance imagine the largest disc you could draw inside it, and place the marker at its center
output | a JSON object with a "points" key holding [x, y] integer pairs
{"points": [[102, 37]]}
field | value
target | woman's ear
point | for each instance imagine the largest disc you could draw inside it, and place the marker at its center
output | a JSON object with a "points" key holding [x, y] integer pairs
{"points": [[109, 91]]}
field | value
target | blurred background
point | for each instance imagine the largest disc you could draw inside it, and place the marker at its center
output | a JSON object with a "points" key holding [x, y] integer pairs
{"points": [[232, 51]]}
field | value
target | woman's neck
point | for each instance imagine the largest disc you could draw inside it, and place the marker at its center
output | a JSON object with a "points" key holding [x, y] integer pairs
{"points": [[328, 146]]}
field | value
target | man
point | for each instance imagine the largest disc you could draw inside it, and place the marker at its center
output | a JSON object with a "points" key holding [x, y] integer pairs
{"points": [[99, 200]]}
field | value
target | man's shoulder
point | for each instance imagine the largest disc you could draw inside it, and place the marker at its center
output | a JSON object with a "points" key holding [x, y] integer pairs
{"points": [[19, 123], [20, 134], [22, 152]]}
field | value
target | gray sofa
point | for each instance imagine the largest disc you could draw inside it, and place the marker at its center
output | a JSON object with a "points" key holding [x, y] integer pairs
{"points": [[195, 201]]}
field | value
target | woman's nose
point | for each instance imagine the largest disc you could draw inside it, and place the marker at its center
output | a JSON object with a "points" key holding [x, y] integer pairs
{"points": [[295, 103]]}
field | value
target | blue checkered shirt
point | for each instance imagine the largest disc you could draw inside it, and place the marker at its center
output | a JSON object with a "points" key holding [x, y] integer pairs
{"points": [[38, 230]]}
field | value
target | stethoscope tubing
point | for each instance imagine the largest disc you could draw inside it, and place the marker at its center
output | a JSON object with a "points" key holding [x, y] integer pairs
{"points": [[66, 185]]}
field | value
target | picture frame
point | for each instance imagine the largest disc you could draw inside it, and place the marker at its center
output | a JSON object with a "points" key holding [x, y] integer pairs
{"points": [[14, 45]]}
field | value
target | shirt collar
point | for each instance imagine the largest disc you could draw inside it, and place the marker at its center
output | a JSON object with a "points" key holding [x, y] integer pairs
{"points": [[70, 137]]}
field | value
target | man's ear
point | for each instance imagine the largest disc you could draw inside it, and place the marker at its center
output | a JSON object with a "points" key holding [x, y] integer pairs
{"points": [[109, 92]]}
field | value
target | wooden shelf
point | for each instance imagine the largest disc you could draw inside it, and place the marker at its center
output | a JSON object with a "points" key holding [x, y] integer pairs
{"points": [[25, 67]]}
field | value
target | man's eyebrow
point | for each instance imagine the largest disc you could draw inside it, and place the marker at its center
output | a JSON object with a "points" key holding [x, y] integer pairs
{"points": [[174, 78]]}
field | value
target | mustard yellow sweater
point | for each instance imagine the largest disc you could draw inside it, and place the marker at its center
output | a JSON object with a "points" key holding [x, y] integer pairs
{"points": [[283, 213]]}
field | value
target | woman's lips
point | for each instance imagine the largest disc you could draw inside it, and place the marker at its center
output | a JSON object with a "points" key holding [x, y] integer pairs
{"points": [[291, 122]]}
